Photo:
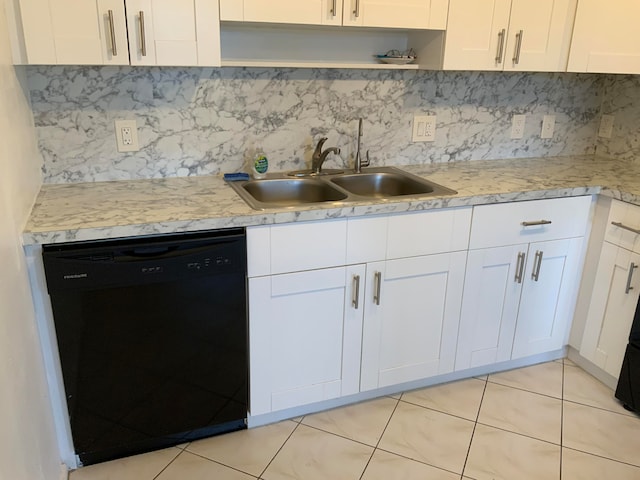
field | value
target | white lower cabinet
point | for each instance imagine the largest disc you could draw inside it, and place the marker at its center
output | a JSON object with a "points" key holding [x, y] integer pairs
{"points": [[305, 338], [519, 296], [412, 308]]}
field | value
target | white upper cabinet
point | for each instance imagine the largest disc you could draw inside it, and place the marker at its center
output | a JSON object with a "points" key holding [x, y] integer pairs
{"points": [[419, 14], [517, 35], [310, 12], [606, 38], [423, 14], [120, 32]]}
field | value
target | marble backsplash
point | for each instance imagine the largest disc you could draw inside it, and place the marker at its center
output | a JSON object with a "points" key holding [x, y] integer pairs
{"points": [[196, 121], [621, 94]]}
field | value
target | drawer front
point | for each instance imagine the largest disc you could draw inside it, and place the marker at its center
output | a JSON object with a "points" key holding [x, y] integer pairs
{"points": [[294, 247], [623, 226], [531, 221]]}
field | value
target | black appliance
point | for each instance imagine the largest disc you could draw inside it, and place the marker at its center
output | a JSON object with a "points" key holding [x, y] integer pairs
{"points": [[628, 389], [152, 336]]}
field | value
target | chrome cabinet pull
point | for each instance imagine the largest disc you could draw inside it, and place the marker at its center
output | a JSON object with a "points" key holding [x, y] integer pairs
{"points": [[536, 223], [537, 263], [519, 267], [112, 34], [628, 288], [625, 227], [377, 281], [333, 8], [355, 294], [143, 41], [356, 12], [516, 53], [500, 51]]}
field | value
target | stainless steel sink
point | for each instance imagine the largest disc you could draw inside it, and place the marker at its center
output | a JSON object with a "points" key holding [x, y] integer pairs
{"points": [[382, 183], [386, 182], [286, 192]]}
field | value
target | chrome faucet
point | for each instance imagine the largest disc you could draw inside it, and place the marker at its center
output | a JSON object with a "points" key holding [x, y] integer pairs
{"points": [[319, 156], [359, 163]]}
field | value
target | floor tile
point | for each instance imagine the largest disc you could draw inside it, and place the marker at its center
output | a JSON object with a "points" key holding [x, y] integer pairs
{"points": [[499, 455], [428, 436], [581, 387], [458, 398], [363, 422], [139, 467], [311, 454], [582, 466], [247, 450], [192, 467], [545, 378], [601, 432], [387, 466], [522, 412]]}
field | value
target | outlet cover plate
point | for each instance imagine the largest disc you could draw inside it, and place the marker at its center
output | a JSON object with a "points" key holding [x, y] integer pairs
{"points": [[127, 135], [517, 126], [606, 126], [424, 128], [548, 125]]}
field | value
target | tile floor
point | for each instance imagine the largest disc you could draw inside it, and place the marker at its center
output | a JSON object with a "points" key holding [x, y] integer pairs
{"points": [[548, 421]]}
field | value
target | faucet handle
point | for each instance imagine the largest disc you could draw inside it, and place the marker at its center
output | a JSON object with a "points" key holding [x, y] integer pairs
{"points": [[366, 162]]}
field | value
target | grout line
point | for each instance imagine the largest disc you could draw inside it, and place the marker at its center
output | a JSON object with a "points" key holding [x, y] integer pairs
{"points": [[280, 449], [604, 458], [220, 463], [604, 409], [381, 435], [167, 465], [527, 390], [475, 424], [436, 410]]}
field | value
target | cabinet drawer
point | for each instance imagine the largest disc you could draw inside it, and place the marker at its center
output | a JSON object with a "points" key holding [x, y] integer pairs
{"points": [[626, 231], [294, 247], [532, 221]]}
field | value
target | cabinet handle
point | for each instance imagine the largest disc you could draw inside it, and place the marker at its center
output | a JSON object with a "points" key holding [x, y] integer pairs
{"points": [[143, 41], [519, 267], [537, 263], [377, 281], [356, 12], [355, 295], [536, 223], [500, 51], [112, 34], [333, 8], [628, 288], [516, 53], [623, 226]]}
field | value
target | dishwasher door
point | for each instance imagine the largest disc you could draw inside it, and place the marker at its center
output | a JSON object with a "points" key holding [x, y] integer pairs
{"points": [[152, 337]]}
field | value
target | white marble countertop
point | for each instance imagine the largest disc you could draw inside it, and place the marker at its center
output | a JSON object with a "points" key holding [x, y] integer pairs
{"points": [[86, 211]]}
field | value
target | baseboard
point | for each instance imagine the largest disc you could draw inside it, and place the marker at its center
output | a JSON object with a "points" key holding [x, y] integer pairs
{"points": [[64, 472], [606, 378]]}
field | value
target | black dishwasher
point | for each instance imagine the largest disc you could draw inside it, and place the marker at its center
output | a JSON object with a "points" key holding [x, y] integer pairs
{"points": [[152, 336]]}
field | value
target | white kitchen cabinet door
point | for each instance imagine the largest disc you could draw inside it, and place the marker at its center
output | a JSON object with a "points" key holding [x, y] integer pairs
{"points": [[173, 32], [606, 38], [58, 32], [492, 288], [512, 35], [551, 279], [422, 14], [613, 304], [539, 35], [310, 12], [305, 337], [476, 34], [412, 311]]}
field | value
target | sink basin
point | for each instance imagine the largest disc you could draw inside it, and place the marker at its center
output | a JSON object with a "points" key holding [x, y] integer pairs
{"points": [[381, 183], [388, 182], [286, 192]]}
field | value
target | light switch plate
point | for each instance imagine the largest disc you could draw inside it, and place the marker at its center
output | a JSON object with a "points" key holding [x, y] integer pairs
{"points": [[606, 126], [548, 125], [424, 128]]}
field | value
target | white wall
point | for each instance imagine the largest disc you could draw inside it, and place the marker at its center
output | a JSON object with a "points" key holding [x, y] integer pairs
{"points": [[28, 449]]}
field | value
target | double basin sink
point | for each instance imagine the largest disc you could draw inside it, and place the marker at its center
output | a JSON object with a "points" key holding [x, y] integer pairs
{"points": [[382, 183]]}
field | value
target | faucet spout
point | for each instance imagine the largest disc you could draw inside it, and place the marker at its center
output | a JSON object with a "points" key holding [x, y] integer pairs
{"points": [[319, 156]]}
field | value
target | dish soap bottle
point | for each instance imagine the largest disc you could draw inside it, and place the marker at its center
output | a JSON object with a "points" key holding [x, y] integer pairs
{"points": [[258, 164]]}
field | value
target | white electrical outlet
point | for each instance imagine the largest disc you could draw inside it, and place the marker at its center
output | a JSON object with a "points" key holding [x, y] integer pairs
{"points": [[548, 125], [606, 126], [424, 128], [517, 126], [127, 135]]}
